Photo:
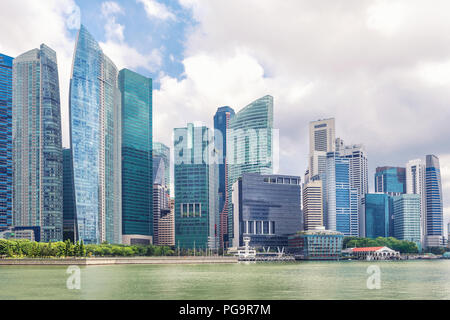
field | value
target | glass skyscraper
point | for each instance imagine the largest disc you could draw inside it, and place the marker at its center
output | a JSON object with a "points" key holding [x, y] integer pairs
{"points": [[267, 209], [6, 66], [249, 145], [377, 215], [342, 199], [37, 148], [69, 217], [137, 167], [196, 200], [95, 132], [390, 180], [434, 204], [163, 151], [221, 124], [407, 218]]}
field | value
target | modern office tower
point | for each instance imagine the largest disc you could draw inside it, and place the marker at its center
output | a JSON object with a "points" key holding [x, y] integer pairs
{"points": [[137, 167], [195, 178], [390, 180], [166, 226], [161, 205], [221, 123], [448, 235], [69, 217], [377, 216], [359, 173], [434, 232], [312, 204], [163, 151], [321, 141], [249, 145], [37, 148], [95, 133], [267, 209], [6, 66], [342, 199], [407, 218], [415, 184]]}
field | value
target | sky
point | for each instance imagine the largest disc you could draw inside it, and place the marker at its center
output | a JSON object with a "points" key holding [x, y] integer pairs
{"points": [[381, 68]]}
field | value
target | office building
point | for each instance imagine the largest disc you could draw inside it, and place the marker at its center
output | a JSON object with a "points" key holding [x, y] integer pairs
{"points": [[390, 180], [37, 148], [249, 145], [161, 200], [342, 198], [95, 141], [221, 124], [6, 66], [266, 209], [415, 184], [407, 218], [434, 232], [166, 226], [69, 217], [377, 216], [312, 205], [196, 186], [317, 244], [137, 146], [163, 151]]}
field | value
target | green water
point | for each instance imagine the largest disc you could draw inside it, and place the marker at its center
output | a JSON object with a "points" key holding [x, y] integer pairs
{"points": [[305, 280]]}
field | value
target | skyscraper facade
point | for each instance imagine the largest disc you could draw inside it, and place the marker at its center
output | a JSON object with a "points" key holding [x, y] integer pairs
{"points": [[95, 133], [249, 145], [342, 199], [221, 123], [415, 184], [312, 205], [196, 186], [6, 66], [137, 146], [377, 215], [390, 180], [69, 217], [37, 145], [407, 218], [267, 209], [163, 151], [434, 231], [161, 200]]}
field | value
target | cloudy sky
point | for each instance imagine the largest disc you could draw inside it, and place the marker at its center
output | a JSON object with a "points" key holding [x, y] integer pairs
{"points": [[380, 67]]}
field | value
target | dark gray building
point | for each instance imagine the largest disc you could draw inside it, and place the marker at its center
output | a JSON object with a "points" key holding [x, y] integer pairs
{"points": [[267, 208]]}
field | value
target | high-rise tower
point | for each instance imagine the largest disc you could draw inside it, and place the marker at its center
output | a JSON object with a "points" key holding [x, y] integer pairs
{"points": [[6, 66], [37, 145], [434, 232], [95, 134]]}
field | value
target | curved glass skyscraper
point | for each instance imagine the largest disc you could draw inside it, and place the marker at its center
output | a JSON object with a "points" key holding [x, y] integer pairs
{"points": [[249, 145], [434, 204], [95, 132], [37, 147]]}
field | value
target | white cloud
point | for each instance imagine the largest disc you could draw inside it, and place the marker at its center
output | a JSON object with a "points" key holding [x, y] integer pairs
{"points": [[154, 9], [113, 29], [115, 46], [28, 23]]}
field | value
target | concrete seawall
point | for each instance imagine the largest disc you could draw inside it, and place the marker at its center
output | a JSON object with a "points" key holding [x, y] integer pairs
{"points": [[116, 261]]}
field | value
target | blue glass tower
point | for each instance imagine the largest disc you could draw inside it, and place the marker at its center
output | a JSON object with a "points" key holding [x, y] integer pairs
{"points": [[6, 64], [95, 132], [267, 209], [434, 203], [342, 199], [377, 215], [69, 217], [391, 180], [221, 123], [137, 167], [195, 178]]}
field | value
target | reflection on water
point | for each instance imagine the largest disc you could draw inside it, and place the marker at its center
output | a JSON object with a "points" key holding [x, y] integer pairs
{"points": [[306, 280]]}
